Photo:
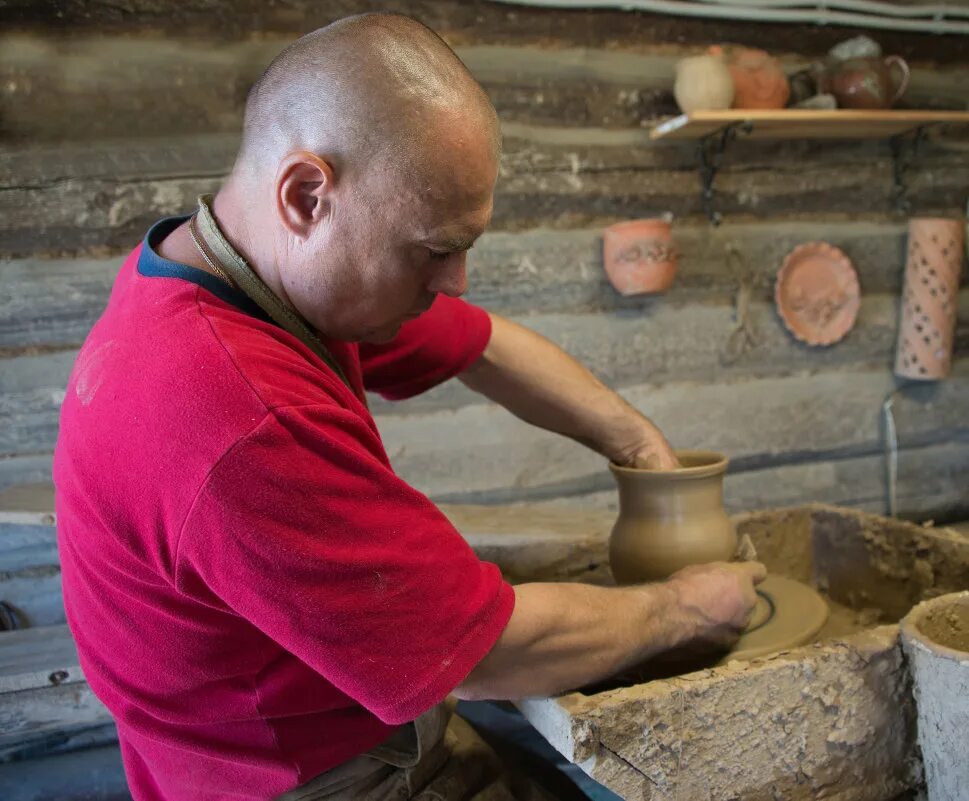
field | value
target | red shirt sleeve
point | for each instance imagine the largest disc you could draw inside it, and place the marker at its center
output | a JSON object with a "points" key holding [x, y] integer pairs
{"points": [[438, 345], [303, 530]]}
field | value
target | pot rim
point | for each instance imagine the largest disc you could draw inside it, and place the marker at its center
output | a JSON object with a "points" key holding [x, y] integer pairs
{"points": [[717, 465], [914, 637]]}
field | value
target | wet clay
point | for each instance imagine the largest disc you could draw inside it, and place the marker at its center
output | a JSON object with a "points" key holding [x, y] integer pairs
{"points": [[669, 519], [673, 518], [947, 626]]}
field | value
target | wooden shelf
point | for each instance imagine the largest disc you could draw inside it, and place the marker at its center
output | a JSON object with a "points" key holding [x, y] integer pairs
{"points": [[805, 123]]}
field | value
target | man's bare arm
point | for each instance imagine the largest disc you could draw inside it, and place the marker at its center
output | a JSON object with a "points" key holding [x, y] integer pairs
{"points": [[563, 636], [543, 385]]}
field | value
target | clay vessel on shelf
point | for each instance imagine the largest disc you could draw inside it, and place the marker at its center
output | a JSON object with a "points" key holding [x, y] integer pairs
{"points": [[669, 519], [758, 80], [703, 83], [867, 83], [639, 256], [929, 298]]}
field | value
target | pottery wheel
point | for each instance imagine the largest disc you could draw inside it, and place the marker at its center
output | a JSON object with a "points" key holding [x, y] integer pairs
{"points": [[787, 614]]}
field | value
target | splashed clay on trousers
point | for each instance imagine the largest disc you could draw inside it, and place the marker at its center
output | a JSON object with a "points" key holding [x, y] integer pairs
{"points": [[833, 719]]}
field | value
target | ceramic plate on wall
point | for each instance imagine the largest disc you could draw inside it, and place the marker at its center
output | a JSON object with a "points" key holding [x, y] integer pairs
{"points": [[817, 293]]}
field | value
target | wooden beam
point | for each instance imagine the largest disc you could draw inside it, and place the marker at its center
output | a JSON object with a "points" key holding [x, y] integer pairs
{"points": [[52, 303], [77, 200], [459, 21], [658, 344], [176, 86], [480, 453]]}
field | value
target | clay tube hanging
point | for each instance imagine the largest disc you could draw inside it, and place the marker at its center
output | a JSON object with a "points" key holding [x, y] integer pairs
{"points": [[929, 298]]}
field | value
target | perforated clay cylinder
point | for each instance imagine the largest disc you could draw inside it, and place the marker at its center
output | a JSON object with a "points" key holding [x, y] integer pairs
{"points": [[929, 298]]}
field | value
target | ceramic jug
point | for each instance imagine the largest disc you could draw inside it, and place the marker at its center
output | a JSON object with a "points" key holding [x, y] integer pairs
{"points": [[867, 83], [669, 519], [703, 83], [759, 81]]}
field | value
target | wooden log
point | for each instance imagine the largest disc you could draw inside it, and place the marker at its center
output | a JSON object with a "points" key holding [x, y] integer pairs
{"points": [[660, 344], [665, 341], [181, 86], [96, 773], [481, 454], [31, 392], [30, 580], [52, 303], [42, 688], [80, 199], [16, 471], [459, 21]]}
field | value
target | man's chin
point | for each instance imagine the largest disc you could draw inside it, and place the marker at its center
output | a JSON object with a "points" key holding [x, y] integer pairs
{"points": [[381, 336]]}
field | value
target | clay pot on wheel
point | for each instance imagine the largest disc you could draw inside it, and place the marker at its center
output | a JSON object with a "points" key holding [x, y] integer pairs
{"points": [[669, 519]]}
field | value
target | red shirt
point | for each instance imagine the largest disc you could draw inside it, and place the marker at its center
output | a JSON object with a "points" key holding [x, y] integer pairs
{"points": [[255, 595]]}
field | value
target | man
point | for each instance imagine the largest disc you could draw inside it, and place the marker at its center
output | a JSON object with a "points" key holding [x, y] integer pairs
{"points": [[257, 598]]}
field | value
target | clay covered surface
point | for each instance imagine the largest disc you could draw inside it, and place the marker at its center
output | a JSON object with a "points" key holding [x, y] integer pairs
{"points": [[834, 718]]}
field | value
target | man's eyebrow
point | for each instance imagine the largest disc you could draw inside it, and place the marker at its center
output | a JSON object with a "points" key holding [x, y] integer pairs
{"points": [[452, 243]]}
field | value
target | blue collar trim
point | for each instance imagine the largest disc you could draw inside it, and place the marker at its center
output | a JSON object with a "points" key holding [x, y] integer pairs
{"points": [[152, 265]]}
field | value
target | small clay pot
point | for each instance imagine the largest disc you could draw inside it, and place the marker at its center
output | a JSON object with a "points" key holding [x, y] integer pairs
{"points": [[669, 519], [703, 83], [758, 80], [639, 256], [929, 299]]}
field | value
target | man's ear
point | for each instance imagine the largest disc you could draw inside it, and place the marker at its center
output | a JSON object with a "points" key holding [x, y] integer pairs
{"points": [[303, 185]]}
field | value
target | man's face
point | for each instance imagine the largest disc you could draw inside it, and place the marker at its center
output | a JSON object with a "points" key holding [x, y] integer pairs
{"points": [[393, 241]]}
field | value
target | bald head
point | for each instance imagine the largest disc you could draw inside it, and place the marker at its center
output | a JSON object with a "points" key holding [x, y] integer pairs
{"points": [[365, 90]]}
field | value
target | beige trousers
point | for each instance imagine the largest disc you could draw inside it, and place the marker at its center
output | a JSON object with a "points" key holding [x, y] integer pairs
{"points": [[438, 757]]}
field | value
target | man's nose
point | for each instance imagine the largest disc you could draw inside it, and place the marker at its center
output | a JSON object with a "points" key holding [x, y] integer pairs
{"points": [[452, 278]]}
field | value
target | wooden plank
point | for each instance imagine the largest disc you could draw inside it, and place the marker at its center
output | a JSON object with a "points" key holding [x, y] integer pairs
{"points": [[457, 20], [480, 453], [802, 123], [81, 199], [52, 303], [31, 392], [30, 576], [655, 344], [178, 86], [38, 658], [33, 713], [19, 470], [95, 773], [666, 341]]}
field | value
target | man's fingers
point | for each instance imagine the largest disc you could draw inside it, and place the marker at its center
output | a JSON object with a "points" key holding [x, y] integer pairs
{"points": [[754, 570]]}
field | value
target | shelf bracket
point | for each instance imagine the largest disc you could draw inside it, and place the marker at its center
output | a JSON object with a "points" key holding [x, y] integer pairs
{"points": [[905, 147], [709, 155]]}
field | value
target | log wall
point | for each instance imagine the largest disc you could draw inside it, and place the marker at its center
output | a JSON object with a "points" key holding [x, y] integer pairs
{"points": [[113, 115]]}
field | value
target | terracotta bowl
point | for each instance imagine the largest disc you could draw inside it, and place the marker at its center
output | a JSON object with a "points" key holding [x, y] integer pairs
{"points": [[817, 293]]}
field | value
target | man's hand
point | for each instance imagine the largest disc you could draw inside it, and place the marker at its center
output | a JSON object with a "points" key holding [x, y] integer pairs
{"points": [[717, 600], [563, 636], [655, 454]]}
